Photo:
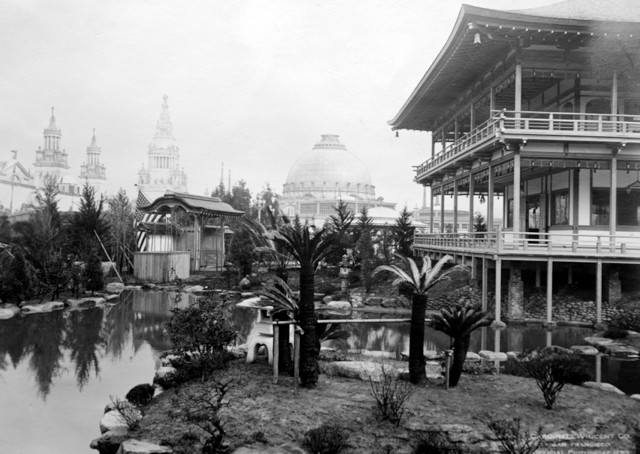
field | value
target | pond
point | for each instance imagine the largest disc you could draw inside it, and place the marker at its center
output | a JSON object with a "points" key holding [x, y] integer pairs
{"points": [[59, 369]]}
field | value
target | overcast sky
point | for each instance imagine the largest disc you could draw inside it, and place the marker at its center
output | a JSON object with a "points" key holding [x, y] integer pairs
{"points": [[251, 84]]}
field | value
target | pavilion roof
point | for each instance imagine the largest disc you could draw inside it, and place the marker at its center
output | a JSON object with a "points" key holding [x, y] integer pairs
{"points": [[463, 61], [206, 206]]}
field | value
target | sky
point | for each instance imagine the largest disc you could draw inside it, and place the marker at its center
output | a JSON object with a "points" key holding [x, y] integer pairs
{"points": [[251, 84]]}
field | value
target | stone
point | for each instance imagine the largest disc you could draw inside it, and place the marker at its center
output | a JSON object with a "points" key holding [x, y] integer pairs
{"points": [[496, 324], [44, 307], [85, 302], [114, 287], [286, 448], [167, 360], [244, 283], [109, 442], [433, 369], [378, 354], [8, 311], [557, 349], [134, 446], [112, 421], [327, 299], [492, 356], [603, 387], [339, 307], [584, 349], [373, 301], [620, 350], [597, 341], [194, 289], [513, 354], [388, 302], [361, 370], [133, 287], [111, 297], [635, 396], [431, 355], [472, 357], [246, 294]]}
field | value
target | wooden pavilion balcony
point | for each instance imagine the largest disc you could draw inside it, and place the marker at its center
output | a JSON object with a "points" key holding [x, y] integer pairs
{"points": [[531, 125], [582, 246]]}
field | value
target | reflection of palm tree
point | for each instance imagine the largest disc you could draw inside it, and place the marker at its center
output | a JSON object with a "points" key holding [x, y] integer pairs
{"points": [[44, 340], [83, 339]]}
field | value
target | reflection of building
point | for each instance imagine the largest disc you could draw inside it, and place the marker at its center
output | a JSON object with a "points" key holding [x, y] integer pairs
{"points": [[19, 184], [541, 107], [323, 176], [163, 171]]}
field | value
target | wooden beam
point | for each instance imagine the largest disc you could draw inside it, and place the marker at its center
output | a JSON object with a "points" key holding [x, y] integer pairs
{"points": [[549, 290]]}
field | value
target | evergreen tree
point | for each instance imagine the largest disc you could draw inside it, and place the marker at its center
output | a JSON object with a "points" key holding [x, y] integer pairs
{"points": [[87, 222], [340, 231], [93, 277], [479, 225], [120, 219], [364, 249], [403, 231], [241, 250]]}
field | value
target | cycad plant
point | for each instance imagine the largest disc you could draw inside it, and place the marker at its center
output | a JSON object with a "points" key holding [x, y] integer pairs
{"points": [[458, 322], [421, 281]]}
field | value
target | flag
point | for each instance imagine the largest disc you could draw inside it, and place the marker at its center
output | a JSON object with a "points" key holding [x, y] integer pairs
{"points": [[142, 219]]}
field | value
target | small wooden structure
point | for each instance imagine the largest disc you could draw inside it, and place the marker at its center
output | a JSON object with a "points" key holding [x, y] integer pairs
{"points": [[190, 237]]}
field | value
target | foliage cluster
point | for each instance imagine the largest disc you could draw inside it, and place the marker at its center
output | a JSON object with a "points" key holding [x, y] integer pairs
{"points": [[129, 413], [615, 332], [516, 438], [391, 394], [629, 319], [552, 370], [479, 368], [326, 439], [140, 395], [203, 329], [434, 442]]}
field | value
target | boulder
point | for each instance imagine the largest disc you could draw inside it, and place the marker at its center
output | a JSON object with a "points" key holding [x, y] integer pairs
{"points": [[112, 421], [44, 307], [471, 356], [109, 442], [431, 355], [327, 299], [361, 370], [557, 349], [584, 349], [134, 446], [87, 302], [114, 287], [194, 289], [378, 354], [133, 287], [246, 294], [597, 341], [140, 394], [635, 396], [373, 301], [168, 360], [339, 307], [620, 350], [433, 369], [513, 354], [492, 356], [603, 387], [8, 310], [388, 302]]}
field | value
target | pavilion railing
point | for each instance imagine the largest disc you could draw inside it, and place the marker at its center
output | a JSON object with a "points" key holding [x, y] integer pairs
{"points": [[537, 123], [532, 243]]}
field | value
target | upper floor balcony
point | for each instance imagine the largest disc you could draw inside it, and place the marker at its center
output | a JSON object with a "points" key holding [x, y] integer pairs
{"points": [[531, 125]]}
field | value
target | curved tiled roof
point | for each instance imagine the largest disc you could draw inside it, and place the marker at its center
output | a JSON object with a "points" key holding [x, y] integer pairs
{"points": [[208, 206], [596, 10]]}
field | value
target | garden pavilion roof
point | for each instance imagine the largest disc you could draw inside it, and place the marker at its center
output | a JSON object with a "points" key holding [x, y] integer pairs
{"points": [[460, 65], [204, 206]]}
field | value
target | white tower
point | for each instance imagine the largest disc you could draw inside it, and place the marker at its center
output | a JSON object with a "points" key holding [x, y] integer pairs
{"points": [[92, 171]]}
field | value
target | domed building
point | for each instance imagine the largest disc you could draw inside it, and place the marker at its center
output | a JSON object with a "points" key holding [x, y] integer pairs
{"points": [[323, 176]]}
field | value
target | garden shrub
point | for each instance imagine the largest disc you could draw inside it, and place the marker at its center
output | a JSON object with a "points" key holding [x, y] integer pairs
{"points": [[391, 394], [129, 413], [140, 395], [437, 443], [552, 371], [615, 332], [514, 437], [326, 439], [479, 368], [203, 329], [628, 319]]}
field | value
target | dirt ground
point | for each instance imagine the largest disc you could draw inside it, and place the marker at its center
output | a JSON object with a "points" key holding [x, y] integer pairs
{"points": [[265, 416]]}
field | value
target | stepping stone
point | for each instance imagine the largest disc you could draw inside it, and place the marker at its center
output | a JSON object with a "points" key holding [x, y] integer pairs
{"points": [[602, 387], [584, 349]]}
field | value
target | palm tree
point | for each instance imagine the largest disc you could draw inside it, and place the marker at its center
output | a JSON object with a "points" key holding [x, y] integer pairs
{"points": [[459, 322], [421, 282], [308, 246]]}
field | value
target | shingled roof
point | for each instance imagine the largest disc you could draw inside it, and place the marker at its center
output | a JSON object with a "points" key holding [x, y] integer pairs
{"points": [[207, 206]]}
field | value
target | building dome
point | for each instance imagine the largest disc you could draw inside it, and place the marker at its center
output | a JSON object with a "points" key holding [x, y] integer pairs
{"points": [[329, 170]]}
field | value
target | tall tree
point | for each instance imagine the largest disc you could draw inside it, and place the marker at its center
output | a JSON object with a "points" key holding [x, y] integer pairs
{"points": [[120, 218], [421, 280], [364, 248], [87, 222], [403, 231], [339, 227], [308, 246], [479, 224]]}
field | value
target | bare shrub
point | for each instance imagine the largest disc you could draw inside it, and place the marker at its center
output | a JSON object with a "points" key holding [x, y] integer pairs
{"points": [[436, 443], [391, 394], [514, 437], [326, 439], [202, 405], [552, 371], [129, 413]]}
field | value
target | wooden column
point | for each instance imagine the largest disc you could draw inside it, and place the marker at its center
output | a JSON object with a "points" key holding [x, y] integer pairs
{"points": [[485, 284], [196, 241], [431, 210], [614, 95], [456, 128], [223, 255], [433, 145], [472, 117], [518, 90], [498, 291], [455, 206], [492, 100], [442, 229], [424, 196], [599, 291], [490, 215], [549, 290], [471, 195], [613, 198], [516, 192]]}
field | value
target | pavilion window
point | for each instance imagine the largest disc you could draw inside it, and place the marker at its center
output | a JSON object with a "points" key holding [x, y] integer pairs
{"points": [[628, 204], [560, 208], [600, 207]]}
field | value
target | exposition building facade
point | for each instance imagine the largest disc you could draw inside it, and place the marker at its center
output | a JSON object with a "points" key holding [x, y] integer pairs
{"points": [[540, 107]]}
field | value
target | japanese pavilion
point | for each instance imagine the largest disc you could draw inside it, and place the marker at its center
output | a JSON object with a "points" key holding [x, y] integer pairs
{"points": [[541, 108], [186, 233]]}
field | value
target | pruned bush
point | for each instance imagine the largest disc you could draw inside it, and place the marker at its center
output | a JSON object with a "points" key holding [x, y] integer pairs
{"points": [[391, 395], [479, 368], [616, 333], [326, 439], [205, 329], [436, 443], [552, 371], [140, 395], [514, 437], [629, 319], [129, 413]]}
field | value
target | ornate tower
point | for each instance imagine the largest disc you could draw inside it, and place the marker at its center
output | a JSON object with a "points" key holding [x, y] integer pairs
{"points": [[92, 171], [163, 172], [51, 160]]}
